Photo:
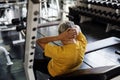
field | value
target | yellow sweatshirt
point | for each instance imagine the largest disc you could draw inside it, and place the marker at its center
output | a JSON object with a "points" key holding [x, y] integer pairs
{"points": [[66, 58]]}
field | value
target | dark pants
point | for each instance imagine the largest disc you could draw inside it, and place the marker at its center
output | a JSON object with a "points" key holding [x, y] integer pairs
{"points": [[40, 65], [40, 61]]}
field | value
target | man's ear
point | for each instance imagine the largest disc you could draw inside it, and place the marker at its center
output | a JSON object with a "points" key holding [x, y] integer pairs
{"points": [[68, 29]]}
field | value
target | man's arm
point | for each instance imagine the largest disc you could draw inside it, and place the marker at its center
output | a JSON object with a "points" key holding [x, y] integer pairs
{"points": [[78, 29], [43, 41], [68, 34], [80, 36]]}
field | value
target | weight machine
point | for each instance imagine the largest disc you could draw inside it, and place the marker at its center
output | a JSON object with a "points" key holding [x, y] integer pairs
{"points": [[15, 10], [102, 73]]}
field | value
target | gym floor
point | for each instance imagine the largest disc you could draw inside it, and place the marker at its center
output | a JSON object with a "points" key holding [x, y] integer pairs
{"points": [[93, 31]]}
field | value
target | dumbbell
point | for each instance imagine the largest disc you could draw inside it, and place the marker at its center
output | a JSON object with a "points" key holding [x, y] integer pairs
{"points": [[85, 9], [19, 28], [105, 13], [99, 12], [106, 4], [117, 16], [109, 14], [17, 21], [90, 2], [115, 6], [80, 10], [70, 17], [73, 12], [97, 2], [101, 3], [119, 6], [110, 4], [113, 15]]}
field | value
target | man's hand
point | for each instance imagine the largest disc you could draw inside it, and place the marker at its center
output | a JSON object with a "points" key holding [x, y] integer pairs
{"points": [[70, 33], [77, 29]]}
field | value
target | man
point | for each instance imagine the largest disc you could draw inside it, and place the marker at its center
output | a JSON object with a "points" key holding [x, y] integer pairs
{"points": [[65, 58]]}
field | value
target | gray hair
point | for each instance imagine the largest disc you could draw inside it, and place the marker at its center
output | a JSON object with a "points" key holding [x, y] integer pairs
{"points": [[65, 25]]}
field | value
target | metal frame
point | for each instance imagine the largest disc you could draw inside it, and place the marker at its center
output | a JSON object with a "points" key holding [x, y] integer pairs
{"points": [[20, 40], [9, 62], [32, 23], [33, 15]]}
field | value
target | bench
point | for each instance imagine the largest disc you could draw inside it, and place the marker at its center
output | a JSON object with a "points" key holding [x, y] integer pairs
{"points": [[99, 73]]}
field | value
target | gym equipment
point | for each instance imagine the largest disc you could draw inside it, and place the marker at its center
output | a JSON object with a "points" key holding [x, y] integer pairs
{"points": [[13, 2], [45, 5], [110, 4], [100, 44], [17, 21], [100, 73], [117, 52], [103, 16], [9, 1], [95, 9], [2, 11], [9, 62], [31, 29]]}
